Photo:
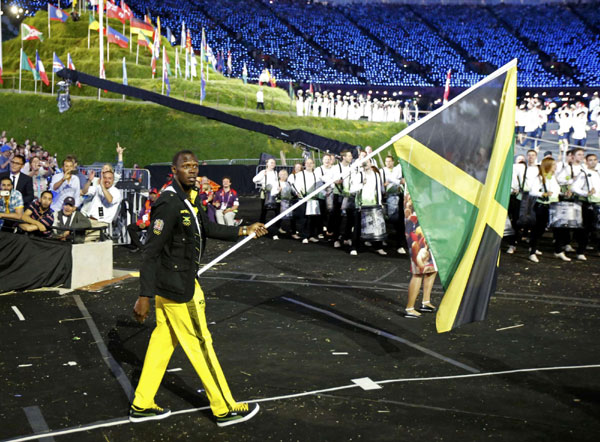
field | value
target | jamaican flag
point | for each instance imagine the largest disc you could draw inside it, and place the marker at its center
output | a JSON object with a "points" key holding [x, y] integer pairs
{"points": [[458, 165]]}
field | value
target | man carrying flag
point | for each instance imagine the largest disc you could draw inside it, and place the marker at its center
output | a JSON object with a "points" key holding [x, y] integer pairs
{"points": [[40, 68]]}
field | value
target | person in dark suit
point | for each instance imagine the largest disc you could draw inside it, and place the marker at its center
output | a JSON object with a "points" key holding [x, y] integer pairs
{"points": [[21, 182]]}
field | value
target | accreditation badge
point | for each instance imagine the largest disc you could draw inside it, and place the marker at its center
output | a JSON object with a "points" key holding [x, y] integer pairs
{"points": [[158, 227]]}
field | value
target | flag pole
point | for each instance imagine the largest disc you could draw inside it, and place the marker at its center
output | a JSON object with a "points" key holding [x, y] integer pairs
{"points": [[137, 54], [124, 68], [20, 65], [49, 18], [1, 65], [163, 72], [101, 35], [53, 56], [88, 36], [314, 193]]}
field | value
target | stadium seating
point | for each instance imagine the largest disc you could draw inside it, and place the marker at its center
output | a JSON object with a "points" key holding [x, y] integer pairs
{"points": [[372, 43]]}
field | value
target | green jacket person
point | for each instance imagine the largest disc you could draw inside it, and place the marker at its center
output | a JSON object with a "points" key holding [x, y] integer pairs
{"points": [[177, 235]]}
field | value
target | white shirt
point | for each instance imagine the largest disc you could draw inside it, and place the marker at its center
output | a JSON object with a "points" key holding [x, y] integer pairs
{"points": [[268, 180], [392, 177], [339, 170], [551, 185], [305, 182], [587, 180], [109, 210], [15, 179], [568, 173], [368, 186], [324, 174], [517, 178], [563, 118], [260, 97], [579, 127], [67, 188]]}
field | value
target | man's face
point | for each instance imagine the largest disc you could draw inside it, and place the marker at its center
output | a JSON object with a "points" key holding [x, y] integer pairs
{"points": [[531, 157], [592, 162], [389, 162], [16, 164], [186, 170], [348, 157], [46, 200], [226, 183], [35, 163], [108, 179], [6, 154], [68, 166], [579, 156], [6, 184], [310, 164], [326, 160], [271, 164], [68, 209], [297, 167]]}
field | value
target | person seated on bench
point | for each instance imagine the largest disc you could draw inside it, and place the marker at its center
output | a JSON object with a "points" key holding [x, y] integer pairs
{"points": [[39, 216], [11, 205], [70, 217]]}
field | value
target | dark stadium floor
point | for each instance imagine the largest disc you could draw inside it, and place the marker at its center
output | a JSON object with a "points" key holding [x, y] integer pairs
{"points": [[285, 323]]}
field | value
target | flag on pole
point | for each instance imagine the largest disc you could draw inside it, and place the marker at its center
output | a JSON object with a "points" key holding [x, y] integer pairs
{"points": [[57, 14], [143, 40], [71, 66], [291, 90], [166, 72], [140, 27], [94, 25], [447, 88], [113, 11], [202, 86], [167, 62], [27, 65], [177, 65], [126, 10], [116, 37], [57, 65], [245, 73], [182, 34], [29, 32], [39, 66], [124, 72], [171, 37], [457, 162]]}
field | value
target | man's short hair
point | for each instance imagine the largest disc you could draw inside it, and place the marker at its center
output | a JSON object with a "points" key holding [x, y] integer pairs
{"points": [[226, 178], [344, 152], [578, 149], [180, 154], [47, 191], [108, 171], [591, 155], [389, 156], [21, 157], [68, 159], [6, 178], [532, 150]]}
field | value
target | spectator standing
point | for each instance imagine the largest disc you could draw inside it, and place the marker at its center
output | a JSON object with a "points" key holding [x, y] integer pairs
{"points": [[5, 155], [21, 182], [38, 174], [106, 199], [260, 99], [65, 184], [226, 203]]}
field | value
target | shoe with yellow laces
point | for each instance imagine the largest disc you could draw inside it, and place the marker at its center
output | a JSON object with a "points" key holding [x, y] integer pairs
{"points": [[240, 413], [153, 413]]}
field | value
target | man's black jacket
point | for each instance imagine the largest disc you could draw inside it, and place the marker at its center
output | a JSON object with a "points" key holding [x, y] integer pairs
{"points": [[171, 256], [24, 185]]}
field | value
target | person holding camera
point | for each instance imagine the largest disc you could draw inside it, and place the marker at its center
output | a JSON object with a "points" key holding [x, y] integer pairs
{"points": [[11, 205], [65, 184], [106, 199]]}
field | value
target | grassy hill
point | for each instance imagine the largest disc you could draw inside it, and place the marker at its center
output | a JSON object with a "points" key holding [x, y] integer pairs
{"points": [[151, 133]]}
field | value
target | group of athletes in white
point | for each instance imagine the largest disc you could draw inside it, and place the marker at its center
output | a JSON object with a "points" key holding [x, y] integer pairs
{"points": [[574, 121], [349, 107], [561, 195], [348, 213]]}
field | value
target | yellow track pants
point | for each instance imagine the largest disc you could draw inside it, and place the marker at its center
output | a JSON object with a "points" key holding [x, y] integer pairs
{"points": [[185, 324]]}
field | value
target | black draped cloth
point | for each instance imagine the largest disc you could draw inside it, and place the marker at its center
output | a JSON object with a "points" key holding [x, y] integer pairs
{"points": [[29, 263]]}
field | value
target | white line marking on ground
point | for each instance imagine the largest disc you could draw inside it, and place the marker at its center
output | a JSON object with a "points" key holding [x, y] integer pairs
{"points": [[339, 353], [367, 384], [18, 313], [508, 328], [173, 370], [122, 421]]}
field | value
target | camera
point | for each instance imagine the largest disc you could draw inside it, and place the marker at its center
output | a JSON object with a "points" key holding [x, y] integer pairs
{"points": [[4, 193]]}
